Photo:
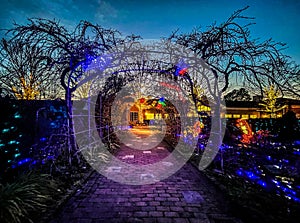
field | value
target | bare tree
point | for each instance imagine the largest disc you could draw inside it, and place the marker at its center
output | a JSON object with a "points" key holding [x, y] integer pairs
{"points": [[67, 52], [24, 72], [269, 102], [238, 95], [230, 52]]}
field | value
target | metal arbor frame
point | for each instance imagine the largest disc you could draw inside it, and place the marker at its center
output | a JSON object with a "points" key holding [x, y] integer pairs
{"points": [[115, 70]]}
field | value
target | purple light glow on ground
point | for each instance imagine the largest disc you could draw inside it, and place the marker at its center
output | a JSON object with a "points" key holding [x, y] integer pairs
{"points": [[139, 156]]}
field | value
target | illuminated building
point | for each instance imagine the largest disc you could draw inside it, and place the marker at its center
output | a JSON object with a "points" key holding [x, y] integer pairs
{"points": [[252, 109]]}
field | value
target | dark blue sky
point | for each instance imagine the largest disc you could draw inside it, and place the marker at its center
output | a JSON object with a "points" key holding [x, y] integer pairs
{"points": [[279, 19]]}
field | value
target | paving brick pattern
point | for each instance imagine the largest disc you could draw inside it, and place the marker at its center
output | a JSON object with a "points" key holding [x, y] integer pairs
{"points": [[185, 197]]}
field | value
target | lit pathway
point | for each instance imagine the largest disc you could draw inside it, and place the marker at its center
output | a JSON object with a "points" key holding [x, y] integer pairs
{"points": [[186, 196]]}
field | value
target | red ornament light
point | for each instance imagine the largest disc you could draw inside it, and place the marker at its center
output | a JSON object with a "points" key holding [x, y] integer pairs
{"points": [[183, 71], [158, 106], [142, 100]]}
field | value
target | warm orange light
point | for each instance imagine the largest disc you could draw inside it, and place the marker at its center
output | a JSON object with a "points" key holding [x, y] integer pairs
{"points": [[246, 129]]}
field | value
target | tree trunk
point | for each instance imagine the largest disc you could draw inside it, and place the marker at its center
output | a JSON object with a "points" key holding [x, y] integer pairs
{"points": [[215, 139], [71, 136]]}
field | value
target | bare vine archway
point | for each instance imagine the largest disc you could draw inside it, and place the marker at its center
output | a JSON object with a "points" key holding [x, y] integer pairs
{"points": [[152, 70]]}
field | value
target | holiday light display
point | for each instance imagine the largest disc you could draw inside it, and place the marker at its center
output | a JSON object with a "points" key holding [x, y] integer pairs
{"points": [[29, 89], [10, 136], [270, 101], [246, 129], [181, 68], [198, 126], [183, 71], [142, 100], [176, 88], [162, 101]]}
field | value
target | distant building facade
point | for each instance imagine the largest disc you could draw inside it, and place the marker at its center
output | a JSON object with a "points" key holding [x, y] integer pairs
{"points": [[253, 109]]}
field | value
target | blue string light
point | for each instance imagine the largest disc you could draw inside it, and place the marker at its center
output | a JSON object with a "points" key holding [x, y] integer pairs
{"points": [[181, 68], [21, 162], [17, 155], [5, 130], [17, 115]]}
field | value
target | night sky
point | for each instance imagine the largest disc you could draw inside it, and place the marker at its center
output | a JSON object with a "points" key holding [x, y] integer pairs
{"points": [[279, 19]]}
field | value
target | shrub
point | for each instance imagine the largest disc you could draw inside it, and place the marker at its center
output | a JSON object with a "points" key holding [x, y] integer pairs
{"points": [[27, 197]]}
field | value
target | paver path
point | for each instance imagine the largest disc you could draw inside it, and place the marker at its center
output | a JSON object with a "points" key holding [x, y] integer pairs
{"points": [[186, 196]]}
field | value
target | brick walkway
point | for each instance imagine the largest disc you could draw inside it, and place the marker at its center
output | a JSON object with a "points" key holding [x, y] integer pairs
{"points": [[186, 197]]}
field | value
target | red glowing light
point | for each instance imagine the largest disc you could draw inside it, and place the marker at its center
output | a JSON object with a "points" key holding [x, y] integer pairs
{"points": [[198, 126], [246, 129], [142, 100], [183, 71]]}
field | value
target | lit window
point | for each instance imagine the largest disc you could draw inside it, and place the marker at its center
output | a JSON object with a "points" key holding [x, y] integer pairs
{"points": [[253, 116], [133, 116], [236, 116], [149, 116], [228, 115], [245, 116]]}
